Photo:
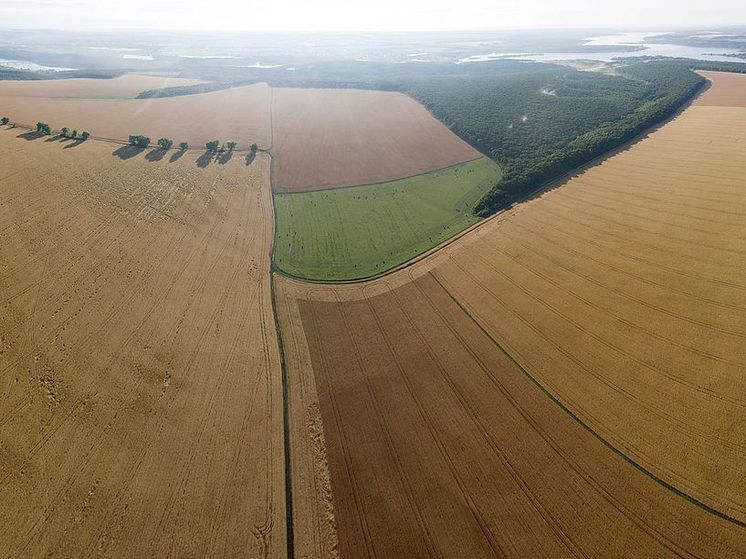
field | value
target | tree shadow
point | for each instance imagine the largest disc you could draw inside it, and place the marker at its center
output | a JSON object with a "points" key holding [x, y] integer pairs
{"points": [[175, 156], [204, 159], [127, 152], [55, 138], [31, 135], [250, 157], [155, 154], [75, 143], [224, 157]]}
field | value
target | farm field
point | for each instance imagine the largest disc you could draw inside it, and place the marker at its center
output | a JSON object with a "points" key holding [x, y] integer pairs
{"points": [[730, 93], [355, 232], [343, 137], [240, 114], [564, 380], [140, 393], [122, 87], [316, 136]]}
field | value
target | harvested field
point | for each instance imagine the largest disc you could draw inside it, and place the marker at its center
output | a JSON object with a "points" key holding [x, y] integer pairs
{"points": [[341, 137], [565, 380], [140, 391], [729, 93], [240, 114], [122, 87], [317, 139]]}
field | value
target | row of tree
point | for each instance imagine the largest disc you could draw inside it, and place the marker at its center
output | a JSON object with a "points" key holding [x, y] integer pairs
{"points": [[135, 140], [73, 134], [65, 132], [213, 146]]}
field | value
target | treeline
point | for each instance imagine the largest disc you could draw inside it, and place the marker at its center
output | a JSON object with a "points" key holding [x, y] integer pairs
{"points": [[176, 91], [540, 126], [342, 74]]}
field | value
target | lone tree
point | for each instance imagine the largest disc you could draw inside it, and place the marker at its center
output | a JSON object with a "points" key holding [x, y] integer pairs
{"points": [[85, 135], [212, 146], [139, 141], [43, 128], [65, 132], [5, 120], [254, 147], [230, 145], [165, 143], [184, 146], [74, 134]]}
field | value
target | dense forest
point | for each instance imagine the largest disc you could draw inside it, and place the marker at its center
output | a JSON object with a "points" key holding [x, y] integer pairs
{"points": [[541, 125]]}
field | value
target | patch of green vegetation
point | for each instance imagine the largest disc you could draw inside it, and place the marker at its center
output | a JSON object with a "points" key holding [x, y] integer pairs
{"points": [[361, 231]]}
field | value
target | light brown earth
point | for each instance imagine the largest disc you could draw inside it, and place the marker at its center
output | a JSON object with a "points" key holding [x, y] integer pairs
{"points": [[140, 388], [729, 93], [240, 114], [122, 87], [566, 380], [338, 137]]}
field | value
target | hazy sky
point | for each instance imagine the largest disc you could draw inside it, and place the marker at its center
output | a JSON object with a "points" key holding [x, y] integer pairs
{"points": [[380, 15]]}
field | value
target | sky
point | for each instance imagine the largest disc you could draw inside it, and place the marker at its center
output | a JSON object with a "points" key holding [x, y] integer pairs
{"points": [[369, 15]]}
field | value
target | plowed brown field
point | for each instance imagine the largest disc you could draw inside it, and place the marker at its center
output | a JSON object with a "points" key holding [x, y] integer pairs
{"points": [[339, 137], [140, 391], [566, 380]]}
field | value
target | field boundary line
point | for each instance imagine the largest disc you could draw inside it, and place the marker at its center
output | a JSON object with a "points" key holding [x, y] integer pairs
{"points": [[346, 186], [705, 507]]}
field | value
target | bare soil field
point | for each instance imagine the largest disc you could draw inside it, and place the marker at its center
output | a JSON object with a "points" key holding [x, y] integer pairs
{"points": [[240, 114], [122, 87], [565, 380], [327, 138], [140, 386]]}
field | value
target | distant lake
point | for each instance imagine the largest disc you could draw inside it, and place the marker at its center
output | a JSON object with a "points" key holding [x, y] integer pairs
{"points": [[713, 53]]}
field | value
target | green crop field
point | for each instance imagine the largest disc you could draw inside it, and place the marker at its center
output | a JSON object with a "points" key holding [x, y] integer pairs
{"points": [[360, 231]]}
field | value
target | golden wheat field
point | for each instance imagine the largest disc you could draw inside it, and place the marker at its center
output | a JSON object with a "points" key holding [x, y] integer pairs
{"points": [[140, 394], [565, 380]]}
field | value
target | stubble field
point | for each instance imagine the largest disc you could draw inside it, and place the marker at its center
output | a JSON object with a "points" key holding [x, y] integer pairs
{"points": [[240, 114], [566, 380], [122, 87], [319, 138], [140, 395]]}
